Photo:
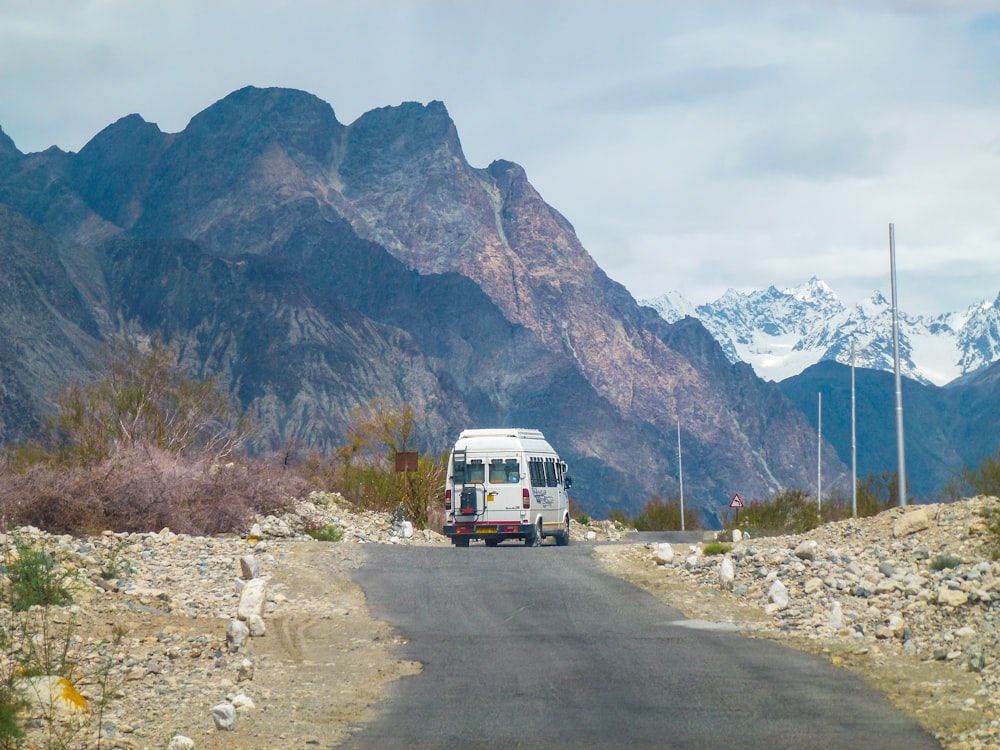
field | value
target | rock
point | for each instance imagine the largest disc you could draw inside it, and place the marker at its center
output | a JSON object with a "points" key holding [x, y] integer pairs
{"points": [[813, 585], [727, 574], [252, 599], [911, 522], [737, 536], [807, 550], [835, 617], [255, 624], [237, 633], [249, 567], [951, 597], [53, 693], [664, 553], [246, 671], [180, 742], [224, 716], [691, 562], [777, 595], [242, 702]]}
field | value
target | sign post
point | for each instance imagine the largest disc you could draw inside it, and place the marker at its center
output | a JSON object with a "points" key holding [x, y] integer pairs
{"points": [[735, 504]]}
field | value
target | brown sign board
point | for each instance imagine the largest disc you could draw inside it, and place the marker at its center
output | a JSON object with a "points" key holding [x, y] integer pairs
{"points": [[406, 460]]}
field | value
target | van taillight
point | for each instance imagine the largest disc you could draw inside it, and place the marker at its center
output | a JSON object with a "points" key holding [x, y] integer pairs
{"points": [[525, 499], [447, 499]]}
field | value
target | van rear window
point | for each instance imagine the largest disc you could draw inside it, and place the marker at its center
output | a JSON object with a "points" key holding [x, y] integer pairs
{"points": [[473, 472], [505, 471]]}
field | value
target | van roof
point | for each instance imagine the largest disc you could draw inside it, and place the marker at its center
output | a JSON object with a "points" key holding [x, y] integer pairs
{"points": [[513, 432]]}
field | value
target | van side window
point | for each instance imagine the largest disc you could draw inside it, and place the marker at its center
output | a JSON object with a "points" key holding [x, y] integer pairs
{"points": [[537, 471], [505, 471], [550, 472]]}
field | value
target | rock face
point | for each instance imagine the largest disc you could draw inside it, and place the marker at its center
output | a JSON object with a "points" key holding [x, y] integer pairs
{"points": [[316, 266]]}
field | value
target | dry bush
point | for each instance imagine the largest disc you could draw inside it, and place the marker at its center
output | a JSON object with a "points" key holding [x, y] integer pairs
{"points": [[145, 489]]}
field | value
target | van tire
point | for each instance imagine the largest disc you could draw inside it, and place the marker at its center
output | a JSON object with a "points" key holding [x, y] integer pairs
{"points": [[461, 542], [535, 540], [562, 538]]}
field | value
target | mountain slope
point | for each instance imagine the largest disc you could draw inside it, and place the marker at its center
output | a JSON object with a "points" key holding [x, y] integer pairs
{"points": [[945, 429], [316, 265]]}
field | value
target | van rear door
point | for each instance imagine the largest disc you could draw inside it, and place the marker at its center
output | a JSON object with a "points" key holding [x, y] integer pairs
{"points": [[503, 489]]}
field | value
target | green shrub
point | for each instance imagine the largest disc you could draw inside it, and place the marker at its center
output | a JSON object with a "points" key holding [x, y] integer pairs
{"points": [[665, 515], [790, 512], [945, 562], [363, 470], [716, 548], [327, 533], [583, 519], [983, 480], [34, 579]]}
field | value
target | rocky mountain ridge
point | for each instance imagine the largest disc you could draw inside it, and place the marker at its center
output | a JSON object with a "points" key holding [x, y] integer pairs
{"points": [[781, 332], [315, 266]]}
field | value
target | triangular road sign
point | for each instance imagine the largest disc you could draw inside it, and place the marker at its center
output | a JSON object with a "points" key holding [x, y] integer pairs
{"points": [[736, 502]]}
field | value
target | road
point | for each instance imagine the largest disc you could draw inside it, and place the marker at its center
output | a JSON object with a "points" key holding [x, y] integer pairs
{"points": [[537, 647]]}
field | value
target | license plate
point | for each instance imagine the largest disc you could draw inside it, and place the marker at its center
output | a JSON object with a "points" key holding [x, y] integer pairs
{"points": [[486, 529]]}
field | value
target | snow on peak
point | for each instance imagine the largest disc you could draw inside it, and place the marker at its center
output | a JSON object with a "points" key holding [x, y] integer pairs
{"points": [[780, 333]]}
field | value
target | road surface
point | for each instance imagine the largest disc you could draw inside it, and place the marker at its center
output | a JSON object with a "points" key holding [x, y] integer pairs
{"points": [[538, 648]]}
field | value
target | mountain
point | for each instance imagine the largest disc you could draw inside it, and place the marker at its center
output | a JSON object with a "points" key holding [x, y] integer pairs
{"points": [[314, 266], [945, 429], [780, 333]]}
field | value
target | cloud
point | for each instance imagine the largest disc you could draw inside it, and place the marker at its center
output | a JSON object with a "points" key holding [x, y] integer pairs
{"points": [[817, 154]]}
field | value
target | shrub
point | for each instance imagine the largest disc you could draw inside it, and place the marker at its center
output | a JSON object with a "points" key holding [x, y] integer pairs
{"points": [[877, 493], [945, 562], [790, 512], [143, 489], [326, 533], [34, 579], [364, 472], [143, 397], [716, 548], [36, 644], [583, 519], [983, 480], [665, 515]]}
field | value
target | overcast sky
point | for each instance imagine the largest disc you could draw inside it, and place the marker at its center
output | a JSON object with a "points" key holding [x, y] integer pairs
{"points": [[696, 146]]}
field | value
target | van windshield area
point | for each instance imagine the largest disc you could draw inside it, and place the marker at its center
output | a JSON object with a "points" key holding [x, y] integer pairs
{"points": [[505, 471]]}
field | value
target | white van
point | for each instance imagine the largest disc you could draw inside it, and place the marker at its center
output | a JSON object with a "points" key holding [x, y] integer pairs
{"points": [[506, 483]]}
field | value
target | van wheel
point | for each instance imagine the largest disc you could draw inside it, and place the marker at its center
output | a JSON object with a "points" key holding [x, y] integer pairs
{"points": [[535, 540], [562, 539], [461, 542]]}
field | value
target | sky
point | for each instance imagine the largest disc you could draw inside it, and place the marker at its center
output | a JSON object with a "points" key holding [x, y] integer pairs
{"points": [[695, 146]]}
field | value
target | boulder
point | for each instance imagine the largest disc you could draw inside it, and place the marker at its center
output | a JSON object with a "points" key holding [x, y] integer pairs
{"points": [[911, 522]]}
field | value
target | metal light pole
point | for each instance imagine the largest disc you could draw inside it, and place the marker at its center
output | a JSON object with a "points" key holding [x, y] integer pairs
{"points": [[854, 442], [900, 450], [819, 455], [680, 470]]}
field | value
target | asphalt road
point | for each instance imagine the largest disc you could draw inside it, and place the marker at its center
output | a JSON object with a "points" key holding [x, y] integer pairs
{"points": [[538, 648]]}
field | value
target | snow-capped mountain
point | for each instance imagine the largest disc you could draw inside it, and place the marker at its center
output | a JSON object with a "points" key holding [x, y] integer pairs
{"points": [[782, 332]]}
